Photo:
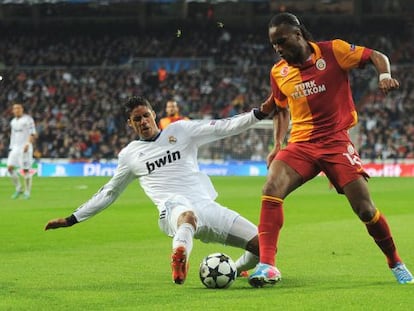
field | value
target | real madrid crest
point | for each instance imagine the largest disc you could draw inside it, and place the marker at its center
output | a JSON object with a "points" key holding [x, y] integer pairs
{"points": [[172, 139], [320, 64]]}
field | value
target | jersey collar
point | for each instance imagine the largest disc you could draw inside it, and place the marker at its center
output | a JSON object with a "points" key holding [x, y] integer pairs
{"points": [[314, 56], [153, 138]]}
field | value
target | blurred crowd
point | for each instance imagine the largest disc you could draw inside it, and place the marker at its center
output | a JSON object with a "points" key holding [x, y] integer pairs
{"points": [[74, 86], [387, 122], [113, 45]]}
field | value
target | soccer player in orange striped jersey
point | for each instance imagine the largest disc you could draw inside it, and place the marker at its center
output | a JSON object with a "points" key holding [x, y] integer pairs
{"points": [[172, 111], [311, 89]]}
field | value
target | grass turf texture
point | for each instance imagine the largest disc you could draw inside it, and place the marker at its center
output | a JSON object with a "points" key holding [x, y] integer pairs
{"points": [[119, 260]]}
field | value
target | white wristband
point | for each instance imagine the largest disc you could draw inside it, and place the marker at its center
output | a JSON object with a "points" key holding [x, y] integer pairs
{"points": [[383, 76]]}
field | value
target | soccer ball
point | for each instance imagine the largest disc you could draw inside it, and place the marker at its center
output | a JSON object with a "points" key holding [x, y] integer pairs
{"points": [[217, 271]]}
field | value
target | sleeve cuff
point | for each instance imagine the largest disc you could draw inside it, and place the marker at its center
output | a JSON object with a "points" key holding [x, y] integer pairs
{"points": [[258, 114], [71, 220]]}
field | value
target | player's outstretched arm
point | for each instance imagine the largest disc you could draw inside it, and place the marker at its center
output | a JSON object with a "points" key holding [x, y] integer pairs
{"points": [[268, 106], [61, 222], [386, 82]]}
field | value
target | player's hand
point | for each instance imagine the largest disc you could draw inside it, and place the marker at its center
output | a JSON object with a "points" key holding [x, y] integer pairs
{"points": [[388, 84], [268, 106], [271, 156], [57, 223]]}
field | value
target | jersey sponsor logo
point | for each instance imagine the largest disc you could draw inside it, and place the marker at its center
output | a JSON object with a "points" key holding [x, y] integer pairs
{"points": [[320, 64], [307, 88], [170, 157]]}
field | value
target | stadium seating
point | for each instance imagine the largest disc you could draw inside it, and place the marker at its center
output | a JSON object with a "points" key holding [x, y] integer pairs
{"points": [[74, 85]]}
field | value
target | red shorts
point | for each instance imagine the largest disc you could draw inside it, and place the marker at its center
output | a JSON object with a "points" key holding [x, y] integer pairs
{"points": [[336, 156]]}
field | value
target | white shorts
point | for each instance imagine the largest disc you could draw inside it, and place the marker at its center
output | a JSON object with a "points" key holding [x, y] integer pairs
{"points": [[18, 158], [214, 222]]}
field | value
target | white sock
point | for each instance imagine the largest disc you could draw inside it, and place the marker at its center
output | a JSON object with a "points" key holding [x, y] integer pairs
{"points": [[28, 183], [16, 180], [246, 261], [184, 237]]}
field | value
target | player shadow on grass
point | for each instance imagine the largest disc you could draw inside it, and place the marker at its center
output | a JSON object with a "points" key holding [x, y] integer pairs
{"points": [[311, 284]]}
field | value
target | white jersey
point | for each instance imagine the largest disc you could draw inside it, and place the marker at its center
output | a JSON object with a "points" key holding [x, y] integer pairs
{"points": [[167, 166], [21, 129]]}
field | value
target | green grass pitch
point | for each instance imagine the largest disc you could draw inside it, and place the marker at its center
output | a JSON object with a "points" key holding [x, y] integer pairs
{"points": [[119, 260]]}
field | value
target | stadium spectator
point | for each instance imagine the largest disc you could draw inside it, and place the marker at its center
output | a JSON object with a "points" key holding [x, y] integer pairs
{"points": [[165, 163], [311, 81], [172, 111], [23, 135]]}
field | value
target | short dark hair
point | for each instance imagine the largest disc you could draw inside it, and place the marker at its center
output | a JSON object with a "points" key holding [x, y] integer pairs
{"points": [[19, 104], [134, 102], [291, 20]]}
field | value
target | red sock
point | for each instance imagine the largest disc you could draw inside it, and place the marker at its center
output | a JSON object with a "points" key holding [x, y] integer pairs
{"points": [[378, 228], [271, 221]]}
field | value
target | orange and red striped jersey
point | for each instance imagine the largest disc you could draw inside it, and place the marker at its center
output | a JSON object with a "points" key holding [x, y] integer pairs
{"points": [[164, 122], [318, 94]]}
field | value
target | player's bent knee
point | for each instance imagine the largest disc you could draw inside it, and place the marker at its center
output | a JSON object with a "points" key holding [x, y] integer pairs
{"points": [[269, 188], [365, 210], [366, 215], [188, 217]]}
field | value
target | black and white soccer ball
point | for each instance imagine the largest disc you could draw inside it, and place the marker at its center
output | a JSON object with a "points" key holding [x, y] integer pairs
{"points": [[217, 270]]}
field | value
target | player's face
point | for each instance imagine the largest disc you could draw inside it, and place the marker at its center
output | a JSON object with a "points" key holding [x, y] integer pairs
{"points": [[171, 108], [286, 41], [17, 110], [142, 120]]}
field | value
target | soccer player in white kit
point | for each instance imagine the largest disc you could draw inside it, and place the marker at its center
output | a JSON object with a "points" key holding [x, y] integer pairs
{"points": [[165, 163], [23, 135]]}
